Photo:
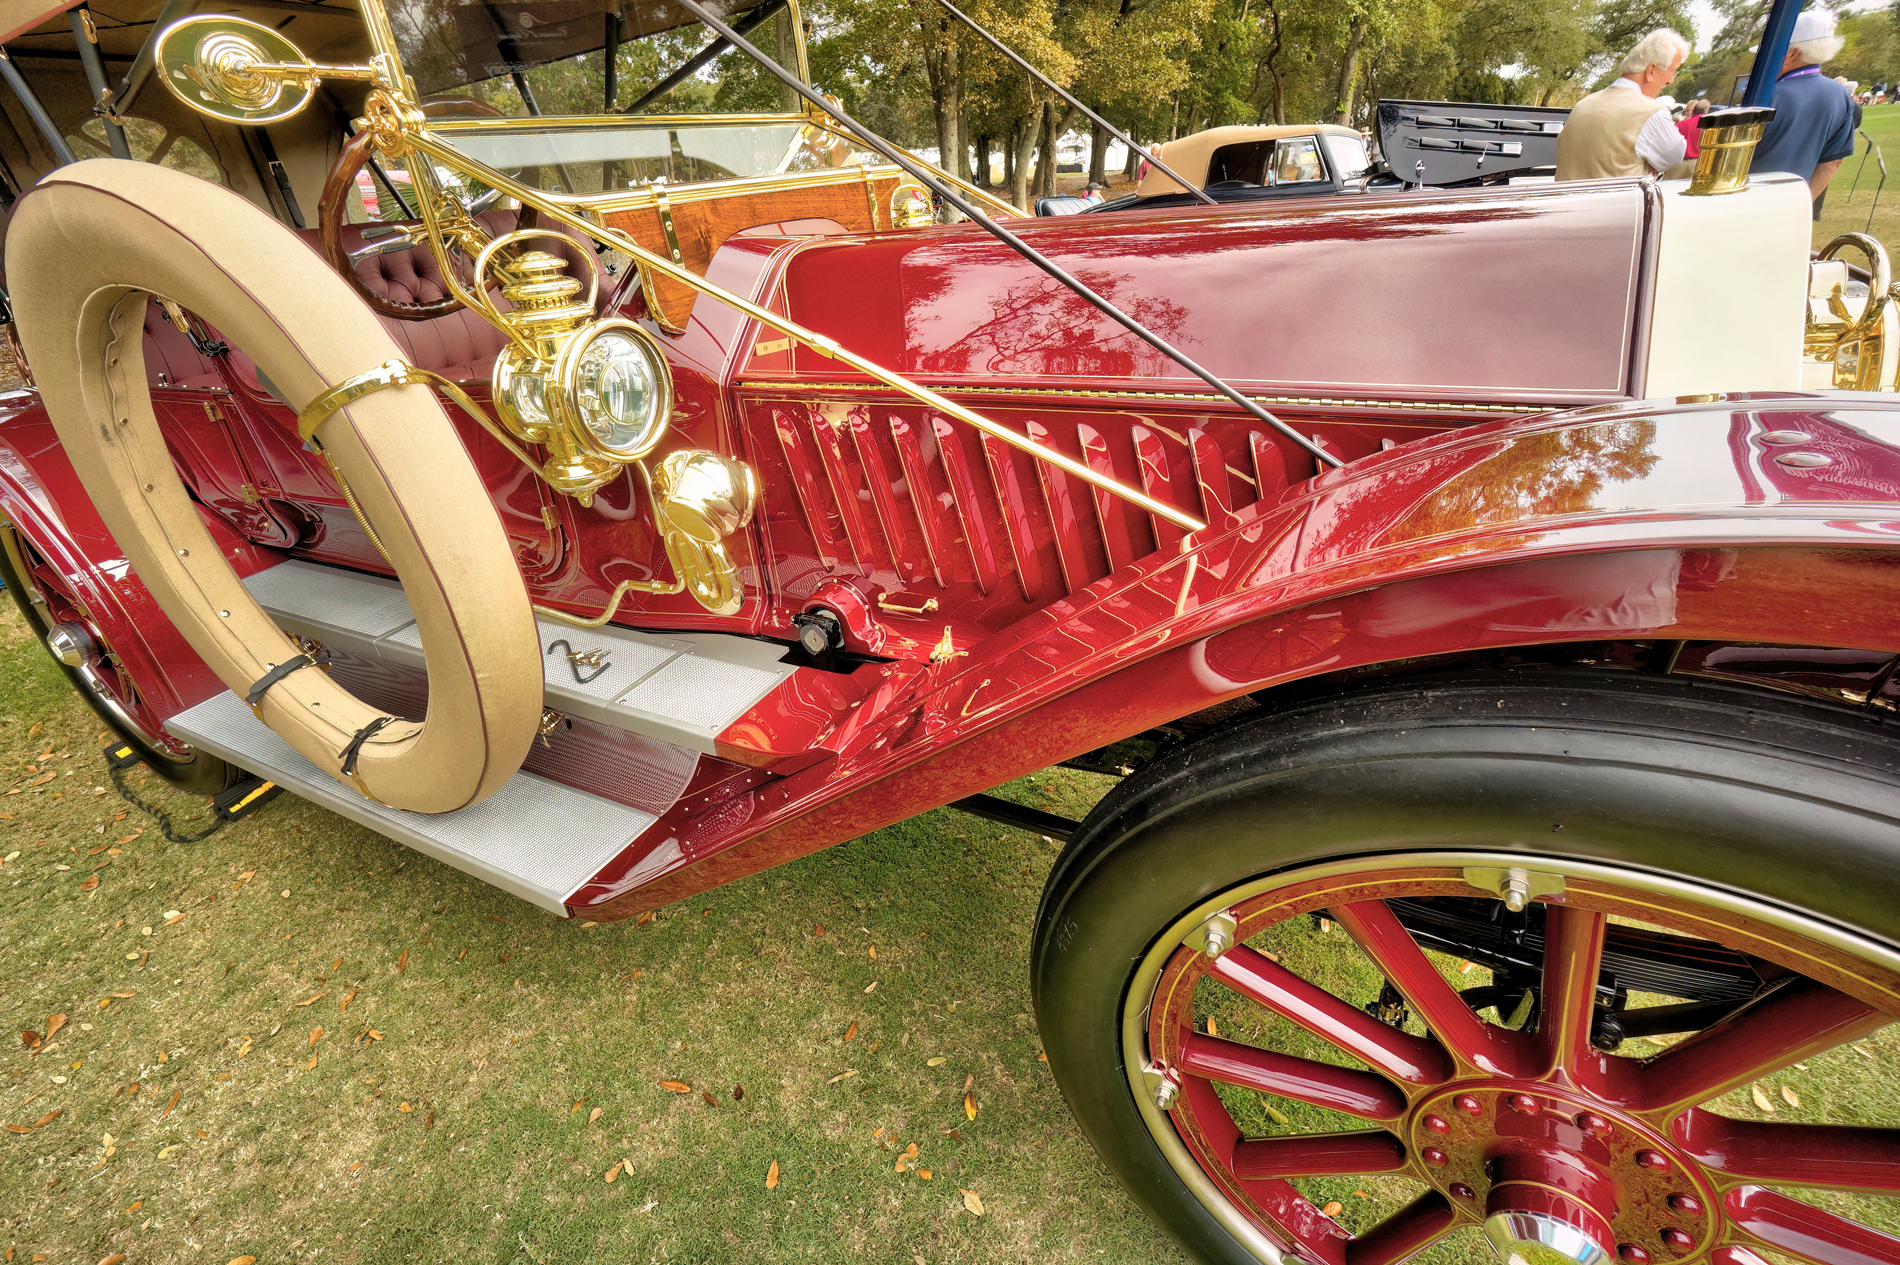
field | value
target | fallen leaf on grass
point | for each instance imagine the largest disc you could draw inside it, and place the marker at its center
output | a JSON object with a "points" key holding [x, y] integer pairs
{"points": [[850, 1071], [972, 1201], [1279, 1117], [170, 1105], [577, 1106], [19, 1128], [349, 999], [134, 1206], [496, 918], [924, 1173], [243, 1260], [613, 1173], [53, 1024], [30, 1037], [874, 953], [593, 1115], [851, 1033], [738, 1093], [311, 1065], [820, 932], [939, 1061], [969, 1105], [308, 1001], [402, 963], [771, 1176], [89, 884], [1856, 1049], [428, 1122], [1213, 1029], [1333, 1209], [48, 1118], [370, 1034], [117, 1258], [678, 1087], [245, 1048], [405, 1107], [1788, 1096], [710, 1100], [869, 987], [1761, 1099], [645, 917]]}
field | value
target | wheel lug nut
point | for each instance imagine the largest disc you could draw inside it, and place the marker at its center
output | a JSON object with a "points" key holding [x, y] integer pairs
{"points": [[1436, 1157], [1593, 1124], [1438, 1125], [1652, 1160], [1685, 1203], [1677, 1239], [1461, 1191], [1633, 1254], [1524, 1104]]}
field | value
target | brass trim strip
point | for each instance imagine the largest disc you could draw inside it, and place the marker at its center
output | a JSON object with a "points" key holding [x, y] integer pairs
{"points": [[394, 373], [1186, 397], [664, 206], [870, 195]]}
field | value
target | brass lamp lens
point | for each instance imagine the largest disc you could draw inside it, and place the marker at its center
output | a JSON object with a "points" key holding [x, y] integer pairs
{"points": [[621, 391]]}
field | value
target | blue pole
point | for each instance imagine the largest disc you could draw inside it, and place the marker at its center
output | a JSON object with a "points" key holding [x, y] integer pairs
{"points": [[1770, 52]]}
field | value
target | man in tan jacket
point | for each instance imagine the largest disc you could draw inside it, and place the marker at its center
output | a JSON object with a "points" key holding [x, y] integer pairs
{"points": [[1624, 130]]}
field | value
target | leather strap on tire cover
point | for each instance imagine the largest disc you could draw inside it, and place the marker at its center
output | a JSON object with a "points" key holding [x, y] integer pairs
{"points": [[83, 249]]}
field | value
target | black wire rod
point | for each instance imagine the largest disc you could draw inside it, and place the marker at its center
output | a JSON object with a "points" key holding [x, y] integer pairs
{"points": [[1052, 86], [1015, 243]]}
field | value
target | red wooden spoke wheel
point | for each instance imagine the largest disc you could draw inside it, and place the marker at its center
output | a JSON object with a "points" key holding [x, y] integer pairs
{"points": [[1314, 880], [83, 651]]}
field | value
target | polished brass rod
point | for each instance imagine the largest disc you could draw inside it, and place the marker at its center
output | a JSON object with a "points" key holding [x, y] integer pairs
{"points": [[424, 141], [1054, 270], [1095, 118]]}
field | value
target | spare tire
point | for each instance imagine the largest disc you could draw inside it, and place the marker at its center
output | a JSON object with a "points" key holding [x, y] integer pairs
{"points": [[84, 249]]}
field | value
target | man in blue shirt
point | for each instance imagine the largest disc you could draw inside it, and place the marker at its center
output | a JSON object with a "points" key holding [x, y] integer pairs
{"points": [[1813, 127]]}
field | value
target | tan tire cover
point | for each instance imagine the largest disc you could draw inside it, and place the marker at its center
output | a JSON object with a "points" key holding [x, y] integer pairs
{"points": [[83, 249]]}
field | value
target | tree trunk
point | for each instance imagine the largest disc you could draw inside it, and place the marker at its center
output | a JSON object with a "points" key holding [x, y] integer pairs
{"points": [[980, 168], [1022, 151], [788, 101], [1349, 68], [1098, 154], [1131, 166], [1276, 107]]}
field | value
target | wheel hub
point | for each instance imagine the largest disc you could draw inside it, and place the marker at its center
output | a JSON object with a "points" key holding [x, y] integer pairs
{"points": [[1558, 1178], [69, 643]]}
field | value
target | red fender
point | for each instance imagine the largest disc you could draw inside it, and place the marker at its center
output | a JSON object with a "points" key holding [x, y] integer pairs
{"points": [[1745, 518], [43, 498]]}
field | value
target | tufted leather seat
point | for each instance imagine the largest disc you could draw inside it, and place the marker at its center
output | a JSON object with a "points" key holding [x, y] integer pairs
{"points": [[459, 345]]}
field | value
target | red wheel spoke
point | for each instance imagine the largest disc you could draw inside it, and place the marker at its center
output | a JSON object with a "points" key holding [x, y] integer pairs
{"points": [[1573, 956], [1319, 1155], [1392, 949], [1410, 1229], [1321, 1084], [1794, 1022], [1396, 1053], [1844, 1157], [1802, 1230]]}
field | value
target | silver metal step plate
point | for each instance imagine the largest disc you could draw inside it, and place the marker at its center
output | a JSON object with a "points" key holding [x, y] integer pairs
{"points": [[537, 839], [684, 689]]}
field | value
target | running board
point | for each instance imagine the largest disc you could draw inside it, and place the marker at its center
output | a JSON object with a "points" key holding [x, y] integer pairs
{"points": [[683, 689], [537, 839]]}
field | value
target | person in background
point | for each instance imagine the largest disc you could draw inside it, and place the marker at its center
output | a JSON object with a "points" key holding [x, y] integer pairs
{"points": [[1813, 127], [1625, 129], [1689, 125], [1853, 94], [1094, 191]]}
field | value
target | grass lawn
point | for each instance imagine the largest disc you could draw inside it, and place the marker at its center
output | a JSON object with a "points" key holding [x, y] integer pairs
{"points": [[1850, 195], [344, 1051]]}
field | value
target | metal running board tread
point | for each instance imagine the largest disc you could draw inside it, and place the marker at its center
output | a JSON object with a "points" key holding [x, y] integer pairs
{"points": [[535, 838], [685, 688]]}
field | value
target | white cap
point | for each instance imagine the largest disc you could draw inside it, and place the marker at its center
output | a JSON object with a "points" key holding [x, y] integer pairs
{"points": [[1812, 24]]}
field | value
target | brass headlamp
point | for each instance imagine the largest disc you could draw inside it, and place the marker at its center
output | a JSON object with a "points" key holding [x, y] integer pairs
{"points": [[597, 394]]}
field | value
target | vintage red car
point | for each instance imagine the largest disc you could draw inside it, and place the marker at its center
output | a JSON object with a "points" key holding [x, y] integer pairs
{"points": [[1470, 568]]}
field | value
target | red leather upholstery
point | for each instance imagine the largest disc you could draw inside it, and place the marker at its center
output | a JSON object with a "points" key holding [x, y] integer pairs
{"points": [[460, 345]]}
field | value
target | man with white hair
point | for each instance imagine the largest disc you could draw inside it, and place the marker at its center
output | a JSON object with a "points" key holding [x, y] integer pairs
{"points": [[1813, 127], [1626, 129]]}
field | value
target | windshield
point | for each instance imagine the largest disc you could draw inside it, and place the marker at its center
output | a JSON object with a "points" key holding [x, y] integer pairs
{"points": [[598, 57]]}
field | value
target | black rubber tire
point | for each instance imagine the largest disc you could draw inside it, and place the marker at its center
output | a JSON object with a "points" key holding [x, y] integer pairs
{"points": [[203, 774], [1794, 803]]}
